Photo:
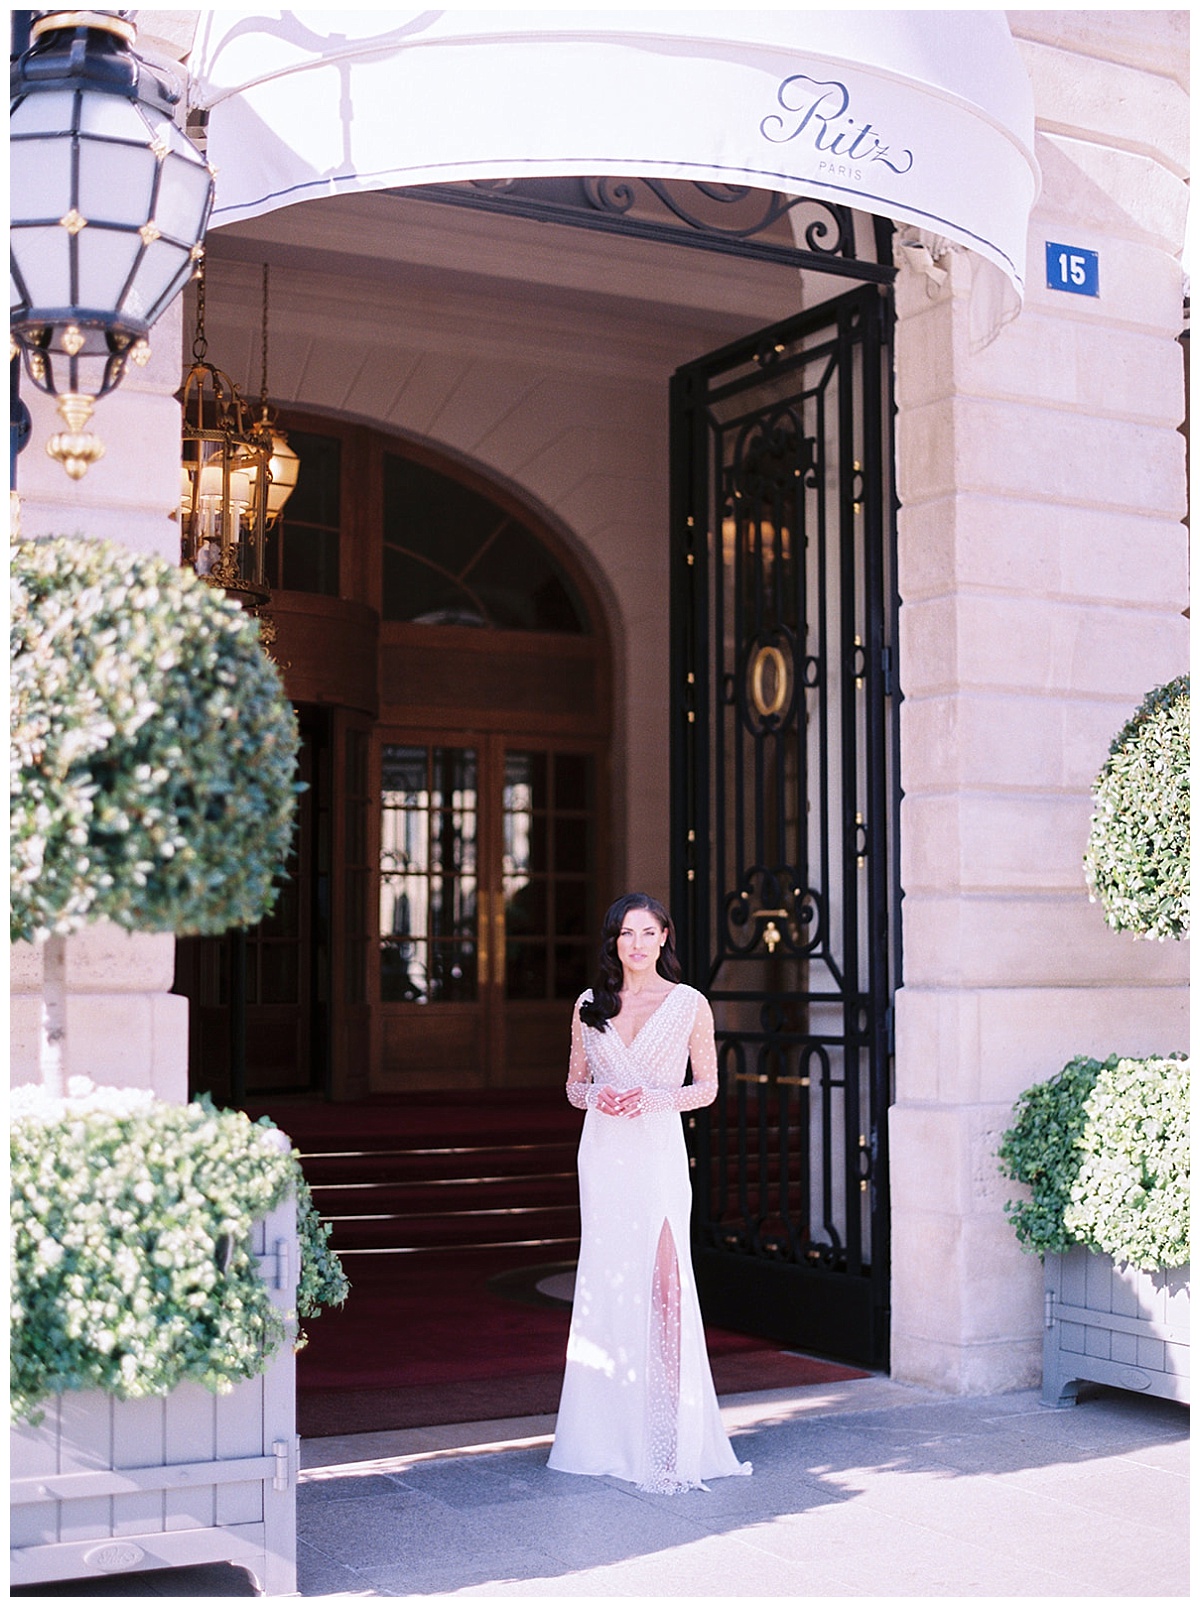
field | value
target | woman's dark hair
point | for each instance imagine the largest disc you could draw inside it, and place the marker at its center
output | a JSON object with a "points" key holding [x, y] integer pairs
{"points": [[606, 990]]}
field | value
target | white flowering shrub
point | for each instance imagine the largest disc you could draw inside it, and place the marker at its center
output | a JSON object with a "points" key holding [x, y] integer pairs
{"points": [[1104, 1149], [1131, 1194], [131, 1262], [153, 750], [1138, 857]]}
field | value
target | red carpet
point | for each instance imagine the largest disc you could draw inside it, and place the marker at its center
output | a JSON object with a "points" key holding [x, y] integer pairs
{"points": [[447, 1212], [423, 1341]]}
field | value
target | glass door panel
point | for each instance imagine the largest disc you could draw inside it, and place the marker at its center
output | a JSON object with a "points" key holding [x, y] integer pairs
{"points": [[487, 908], [548, 872], [428, 881]]}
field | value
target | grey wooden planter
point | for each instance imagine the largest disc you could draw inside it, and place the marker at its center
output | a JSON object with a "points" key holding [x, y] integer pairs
{"points": [[1108, 1323], [103, 1486]]}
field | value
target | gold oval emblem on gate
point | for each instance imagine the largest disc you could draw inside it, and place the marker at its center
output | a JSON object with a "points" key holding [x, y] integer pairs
{"points": [[771, 667]]}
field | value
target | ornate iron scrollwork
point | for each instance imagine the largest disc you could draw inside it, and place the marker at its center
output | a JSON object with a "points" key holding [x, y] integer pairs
{"points": [[739, 219], [771, 910]]}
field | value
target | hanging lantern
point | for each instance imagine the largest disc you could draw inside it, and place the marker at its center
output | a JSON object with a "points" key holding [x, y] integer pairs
{"points": [[285, 463], [223, 482], [109, 204]]}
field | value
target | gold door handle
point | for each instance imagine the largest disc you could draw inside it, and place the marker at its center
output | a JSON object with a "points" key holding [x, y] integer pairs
{"points": [[500, 943], [482, 934]]}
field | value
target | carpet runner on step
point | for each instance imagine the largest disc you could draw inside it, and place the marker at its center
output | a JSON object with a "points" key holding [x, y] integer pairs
{"points": [[447, 1212]]}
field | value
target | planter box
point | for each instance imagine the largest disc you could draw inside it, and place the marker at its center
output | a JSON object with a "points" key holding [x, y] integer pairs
{"points": [[102, 1486], [1108, 1323]]}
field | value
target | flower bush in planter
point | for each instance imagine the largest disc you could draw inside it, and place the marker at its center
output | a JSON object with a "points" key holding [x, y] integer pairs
{"points": [[153, 754], [1104, 1146], [1104, 1149], [131, 1266], [153, 765]]}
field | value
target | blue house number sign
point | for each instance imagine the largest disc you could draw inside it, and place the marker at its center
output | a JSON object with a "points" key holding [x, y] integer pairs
{"points": [[1072, 268]]}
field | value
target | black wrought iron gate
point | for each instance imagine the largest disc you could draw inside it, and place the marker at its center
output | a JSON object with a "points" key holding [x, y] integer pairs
{"points": [[785, 800]]}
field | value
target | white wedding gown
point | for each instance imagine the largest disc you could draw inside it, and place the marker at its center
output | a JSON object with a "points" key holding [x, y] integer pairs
{"points": [[638, 1401]]}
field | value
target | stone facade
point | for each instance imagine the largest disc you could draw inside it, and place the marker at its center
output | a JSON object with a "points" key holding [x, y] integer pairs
{"points": [[124, 1026], [1043, 567]]}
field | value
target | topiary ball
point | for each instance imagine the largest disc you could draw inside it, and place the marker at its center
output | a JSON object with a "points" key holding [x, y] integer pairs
{"points": [[153, 751], [1138, 855]]}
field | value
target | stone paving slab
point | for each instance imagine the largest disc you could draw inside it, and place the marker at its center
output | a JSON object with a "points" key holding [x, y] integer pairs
{"points": [[866, 1488]]}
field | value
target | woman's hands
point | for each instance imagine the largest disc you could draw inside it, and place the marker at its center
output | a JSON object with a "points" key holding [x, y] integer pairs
{"points": [[619, 1101]]}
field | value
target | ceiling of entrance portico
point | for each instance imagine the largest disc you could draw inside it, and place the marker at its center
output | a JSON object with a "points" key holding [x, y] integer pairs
{"points": [[380, 248]]}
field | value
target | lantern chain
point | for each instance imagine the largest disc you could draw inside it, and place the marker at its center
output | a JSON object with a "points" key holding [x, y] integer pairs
{"points": [[266, 283], [200, 343]]}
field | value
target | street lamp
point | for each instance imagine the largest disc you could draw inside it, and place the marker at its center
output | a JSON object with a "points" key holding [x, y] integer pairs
{"points": [[109, 204]]}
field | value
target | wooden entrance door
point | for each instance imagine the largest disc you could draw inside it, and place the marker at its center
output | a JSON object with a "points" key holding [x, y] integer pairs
{"points": [[488, 866]]}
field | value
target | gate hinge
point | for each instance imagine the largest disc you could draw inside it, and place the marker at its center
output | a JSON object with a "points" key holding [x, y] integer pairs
{"points": [[1049, 1308]]}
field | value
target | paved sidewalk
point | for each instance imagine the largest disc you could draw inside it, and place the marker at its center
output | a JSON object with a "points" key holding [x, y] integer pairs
{"points": [[866, 1488]]}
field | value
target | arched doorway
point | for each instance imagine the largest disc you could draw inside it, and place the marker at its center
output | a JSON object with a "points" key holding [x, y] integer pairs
{"points": [[449, 664]]}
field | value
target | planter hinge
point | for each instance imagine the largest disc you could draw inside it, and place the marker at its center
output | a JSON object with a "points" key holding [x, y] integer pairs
{"points": [[1049, 1308], [283, 1464]]}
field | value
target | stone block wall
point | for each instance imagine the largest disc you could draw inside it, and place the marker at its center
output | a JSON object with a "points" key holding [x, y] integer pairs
{"points": [[1043, 567], [124, 1026]]}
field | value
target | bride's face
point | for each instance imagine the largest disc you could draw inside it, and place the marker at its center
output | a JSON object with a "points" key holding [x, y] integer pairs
{"points": [[639, 942]]}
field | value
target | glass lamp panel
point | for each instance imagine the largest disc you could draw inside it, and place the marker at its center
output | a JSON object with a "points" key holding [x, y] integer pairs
{"points": [[43, 258], [183, 195], [106, 259], [285, 470], [116, 182], [39, 178], [163, 270], [48, 112], [114, 117]]}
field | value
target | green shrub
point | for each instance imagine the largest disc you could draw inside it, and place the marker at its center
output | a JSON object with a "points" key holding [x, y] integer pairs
{"points": [[1104, 1150], [1138, 855], [131, 1262], [1042, 1151], [153, 753]]}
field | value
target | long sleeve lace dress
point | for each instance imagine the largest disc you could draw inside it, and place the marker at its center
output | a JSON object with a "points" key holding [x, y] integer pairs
{"points": [[638, 1401]]}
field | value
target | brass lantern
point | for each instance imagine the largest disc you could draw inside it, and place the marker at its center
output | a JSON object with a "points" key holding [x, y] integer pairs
{"points": [[285, 462], [224, 480]]}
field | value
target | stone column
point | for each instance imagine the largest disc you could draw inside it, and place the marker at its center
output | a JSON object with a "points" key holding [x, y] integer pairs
{"points": [[124, 1026], [1043, 568]]}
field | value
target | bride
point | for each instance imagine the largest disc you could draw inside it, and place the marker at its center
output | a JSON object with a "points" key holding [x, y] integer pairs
{"points": [[638, 1401]]}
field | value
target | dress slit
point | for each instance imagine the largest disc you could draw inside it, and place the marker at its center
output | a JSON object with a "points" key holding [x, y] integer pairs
{"points": [[662, 1369]]}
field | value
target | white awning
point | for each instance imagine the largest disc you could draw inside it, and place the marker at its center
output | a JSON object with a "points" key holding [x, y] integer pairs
{"points": [[925, 117]]}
